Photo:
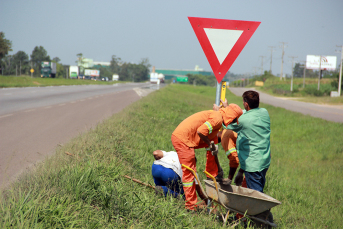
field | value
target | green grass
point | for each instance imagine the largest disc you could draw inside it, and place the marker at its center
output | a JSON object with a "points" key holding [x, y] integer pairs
{"points": [[277, 87], [27, 81], [87, 190]]}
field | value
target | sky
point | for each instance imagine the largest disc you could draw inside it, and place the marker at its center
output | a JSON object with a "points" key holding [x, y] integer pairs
{"points": [[160, 30]]}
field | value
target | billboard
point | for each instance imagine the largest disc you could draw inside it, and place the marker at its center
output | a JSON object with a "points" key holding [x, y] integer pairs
{"points": [[327, 62], [92, 72]]}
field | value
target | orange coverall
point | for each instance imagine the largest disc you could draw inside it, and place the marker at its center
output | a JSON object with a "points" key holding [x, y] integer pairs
{"points": [[185, 139], [229, 137]]}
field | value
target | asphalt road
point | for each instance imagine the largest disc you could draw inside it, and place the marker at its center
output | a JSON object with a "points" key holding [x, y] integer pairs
{"points": [[35, 120], [327, 112]]}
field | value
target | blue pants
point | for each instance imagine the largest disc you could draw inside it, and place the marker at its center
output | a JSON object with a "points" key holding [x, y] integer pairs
{"points": [[168, 180], [256, 180]]}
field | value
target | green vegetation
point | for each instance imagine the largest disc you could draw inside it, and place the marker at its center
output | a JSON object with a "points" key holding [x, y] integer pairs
{"points": [[82, 185], [307, 92], [27, 81]]}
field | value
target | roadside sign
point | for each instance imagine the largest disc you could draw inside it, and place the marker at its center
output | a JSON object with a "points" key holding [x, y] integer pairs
{"points": [[222, 40], [32, 70], [181, 79]]}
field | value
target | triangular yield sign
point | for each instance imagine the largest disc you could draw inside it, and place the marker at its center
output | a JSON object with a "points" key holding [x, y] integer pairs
{"points": [[222, 40]]}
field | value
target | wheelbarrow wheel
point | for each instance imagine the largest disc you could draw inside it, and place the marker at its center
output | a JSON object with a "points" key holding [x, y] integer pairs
{"points": [[269, 218]]}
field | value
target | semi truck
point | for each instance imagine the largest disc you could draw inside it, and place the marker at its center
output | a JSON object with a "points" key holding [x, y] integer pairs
{"points": [[73, 72], [48, 69]]}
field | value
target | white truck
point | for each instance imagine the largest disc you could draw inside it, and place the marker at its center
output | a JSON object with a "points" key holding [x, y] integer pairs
{"points": [[73, 72]]}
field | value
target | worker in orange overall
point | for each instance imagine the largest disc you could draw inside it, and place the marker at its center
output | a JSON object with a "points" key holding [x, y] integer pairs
{"points": [[196, 131]]}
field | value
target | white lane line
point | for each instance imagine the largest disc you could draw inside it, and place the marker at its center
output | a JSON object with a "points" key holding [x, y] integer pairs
{"points": [[47, 107], [29, 110], [62, 104], [73, 102], [82, 100], [6, 115]]}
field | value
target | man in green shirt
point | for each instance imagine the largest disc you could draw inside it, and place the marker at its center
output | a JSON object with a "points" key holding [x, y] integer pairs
{"points": [[253, 142]]}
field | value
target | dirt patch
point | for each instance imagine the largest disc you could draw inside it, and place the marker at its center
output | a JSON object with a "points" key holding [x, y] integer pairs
{"points": [[36, 83]]}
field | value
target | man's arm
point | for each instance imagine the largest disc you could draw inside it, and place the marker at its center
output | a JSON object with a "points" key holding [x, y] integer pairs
{"points": [[204, 138]]}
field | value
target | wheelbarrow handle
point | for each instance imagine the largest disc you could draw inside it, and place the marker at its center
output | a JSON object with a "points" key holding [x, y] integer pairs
{"points": [[196, 177], [215, 183]]}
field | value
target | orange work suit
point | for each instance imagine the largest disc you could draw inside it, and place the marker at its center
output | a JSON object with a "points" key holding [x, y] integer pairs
{"points": [[185, 139]]}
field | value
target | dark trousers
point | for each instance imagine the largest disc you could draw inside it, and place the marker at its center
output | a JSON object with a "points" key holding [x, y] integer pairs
{"points": [[256, 180]]}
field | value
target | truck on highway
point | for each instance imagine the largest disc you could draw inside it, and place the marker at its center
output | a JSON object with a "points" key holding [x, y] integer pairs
{"points": [[92, 73], [73, 72], [48, 69]]}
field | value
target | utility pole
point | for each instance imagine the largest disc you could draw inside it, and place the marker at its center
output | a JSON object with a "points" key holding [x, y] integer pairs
{"points": [[340, 72], [262, 65], [20, 69], [292, 70], [255, 70], [30, 69], [304, 74], [271, 58], [283, 53]]}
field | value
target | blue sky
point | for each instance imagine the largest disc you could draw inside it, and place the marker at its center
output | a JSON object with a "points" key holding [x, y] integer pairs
{"points": [[160, 30]]}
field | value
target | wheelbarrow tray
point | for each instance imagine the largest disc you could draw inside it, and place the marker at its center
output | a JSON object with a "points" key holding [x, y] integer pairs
{"points": [[241, 199]]}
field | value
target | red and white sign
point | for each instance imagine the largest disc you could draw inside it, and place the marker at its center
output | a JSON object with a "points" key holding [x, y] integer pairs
{"points": [[222, 40]]}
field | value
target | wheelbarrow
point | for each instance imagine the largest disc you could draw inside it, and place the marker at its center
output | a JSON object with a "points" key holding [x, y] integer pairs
{"points": [[237, 199]]}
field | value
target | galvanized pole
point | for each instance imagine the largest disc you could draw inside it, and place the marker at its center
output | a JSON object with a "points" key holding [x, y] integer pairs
{"points": [[218, 90], [340, 73]]}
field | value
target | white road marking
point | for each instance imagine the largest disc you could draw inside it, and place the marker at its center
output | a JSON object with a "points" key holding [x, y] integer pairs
{"points": [[6, 115], [30, 110], [47, 107], [62, 104]]}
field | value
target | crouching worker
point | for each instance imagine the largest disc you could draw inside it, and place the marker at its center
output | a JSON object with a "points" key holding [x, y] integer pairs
{"points": [[167, 174]]}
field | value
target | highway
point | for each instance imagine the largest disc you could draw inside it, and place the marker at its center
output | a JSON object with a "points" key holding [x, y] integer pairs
{"points": [[35, 120]]}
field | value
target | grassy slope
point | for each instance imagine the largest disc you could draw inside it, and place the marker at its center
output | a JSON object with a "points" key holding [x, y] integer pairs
{"points": [[87, 189]]}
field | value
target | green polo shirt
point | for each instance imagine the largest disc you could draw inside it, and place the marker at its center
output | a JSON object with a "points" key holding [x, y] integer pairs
{"points": [[253, 140]]}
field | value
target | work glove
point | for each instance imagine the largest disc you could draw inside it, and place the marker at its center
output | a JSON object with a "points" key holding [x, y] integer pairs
{"points": [[214, 149], [239, 178]]}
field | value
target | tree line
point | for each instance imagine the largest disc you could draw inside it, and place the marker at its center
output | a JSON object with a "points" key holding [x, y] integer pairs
{"points": [[20, 64]]}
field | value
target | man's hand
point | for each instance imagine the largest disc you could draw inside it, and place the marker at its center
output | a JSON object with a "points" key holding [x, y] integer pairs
{"points": [[214, 149], [224, 103], [239, 178], [216, 108]]}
